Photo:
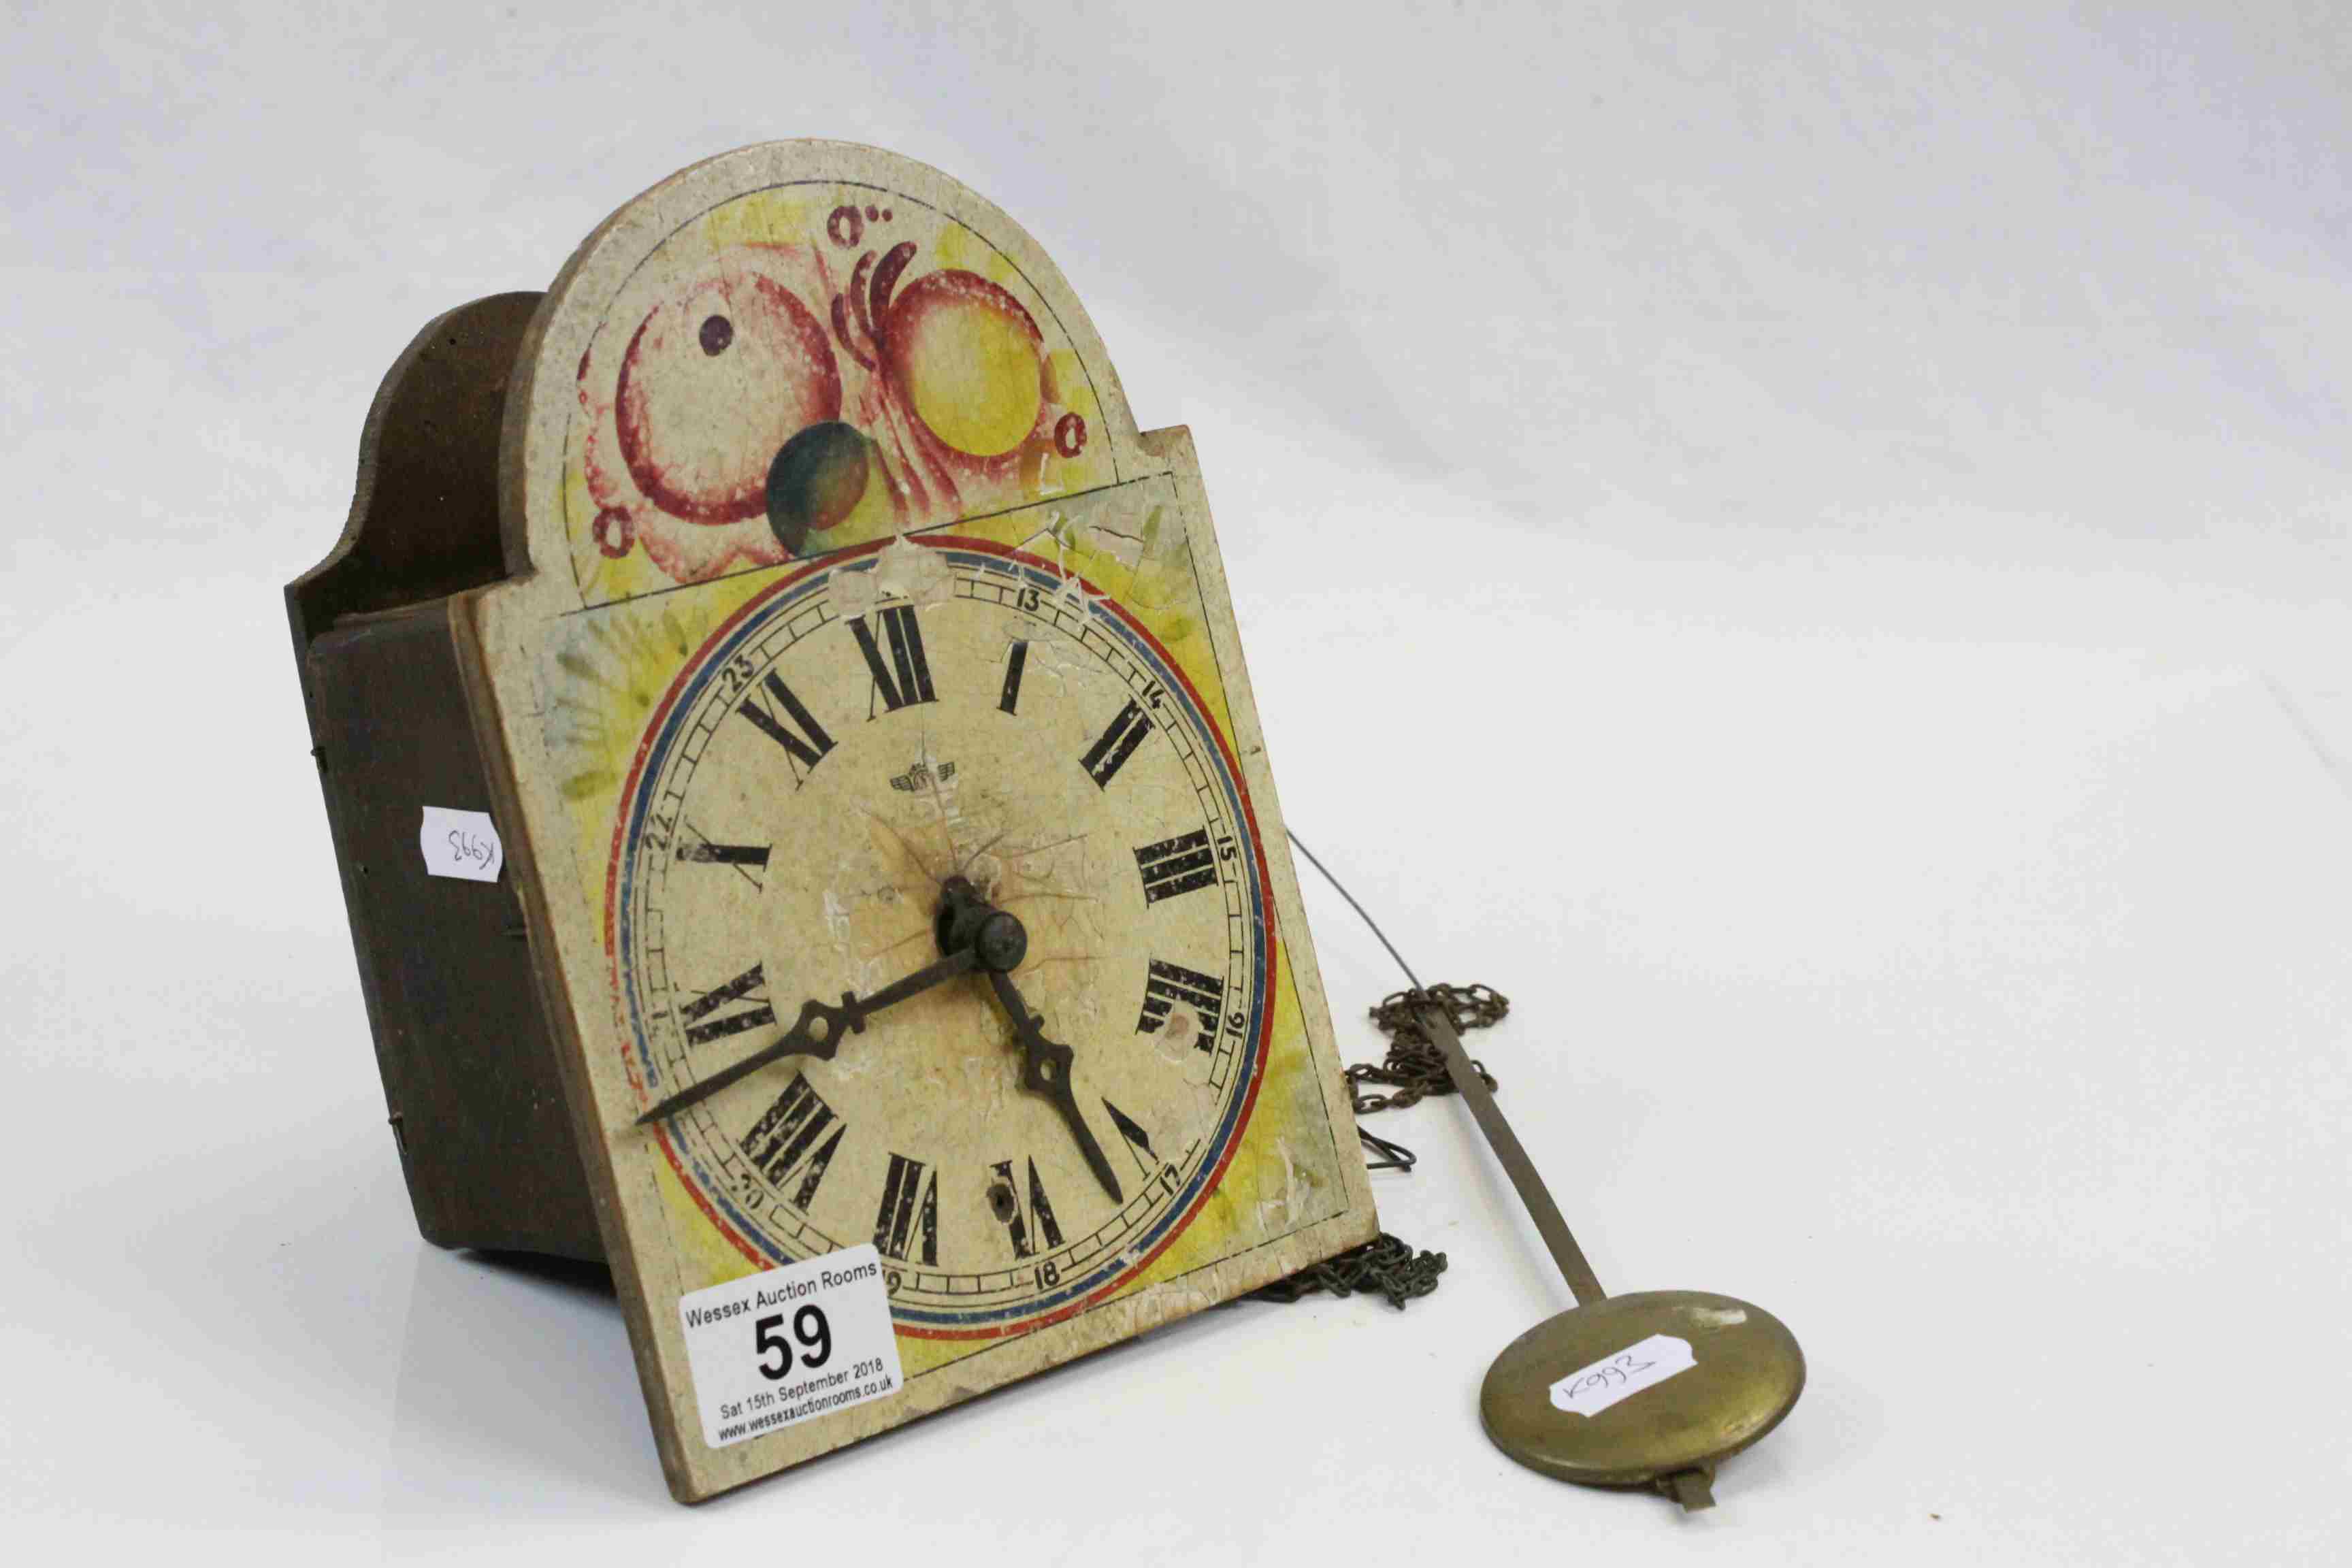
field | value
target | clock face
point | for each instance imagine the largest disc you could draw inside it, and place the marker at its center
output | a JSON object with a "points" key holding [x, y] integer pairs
{"points": [[836, 751], [856, 588]]}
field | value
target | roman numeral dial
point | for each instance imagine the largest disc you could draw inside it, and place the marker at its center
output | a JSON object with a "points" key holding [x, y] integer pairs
{"points": [[741, 1003], [1138, 1141], [1166, 984], [786, 720], [902, 675], [708, 854], [1016, 661], [749, 861], [1183, 864], [790, 1144], [1028, 1220], [789, 813], [907, 1224], [1115, 745]]}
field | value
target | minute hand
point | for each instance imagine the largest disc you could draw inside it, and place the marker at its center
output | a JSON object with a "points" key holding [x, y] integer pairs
{"points": [[1045, 1070], [817, 1031]]}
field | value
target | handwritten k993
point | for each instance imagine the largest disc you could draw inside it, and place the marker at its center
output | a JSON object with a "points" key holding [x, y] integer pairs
{"points": [[1590, 1390], [462, 844]]}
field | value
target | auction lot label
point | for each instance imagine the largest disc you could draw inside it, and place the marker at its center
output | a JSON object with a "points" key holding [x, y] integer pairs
{"points": [[778, 1348]]}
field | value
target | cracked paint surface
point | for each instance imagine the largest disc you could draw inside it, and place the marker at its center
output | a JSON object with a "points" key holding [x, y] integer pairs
{"points": [[806, 369], [758, 381]]}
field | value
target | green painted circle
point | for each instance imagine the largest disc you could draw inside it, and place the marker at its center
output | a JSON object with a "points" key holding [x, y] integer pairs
{"points": [[816, 480]]}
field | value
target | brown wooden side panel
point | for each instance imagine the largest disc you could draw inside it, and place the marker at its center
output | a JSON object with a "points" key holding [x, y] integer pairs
{"points": [[423, 522], [470, 1078]]}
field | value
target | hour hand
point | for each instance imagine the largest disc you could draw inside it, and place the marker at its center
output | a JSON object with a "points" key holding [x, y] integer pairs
{"points": [[1045, 1070], [817, 1031]]}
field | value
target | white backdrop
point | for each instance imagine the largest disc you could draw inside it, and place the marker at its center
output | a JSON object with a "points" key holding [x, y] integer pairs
{"points": [[1805, 543]]}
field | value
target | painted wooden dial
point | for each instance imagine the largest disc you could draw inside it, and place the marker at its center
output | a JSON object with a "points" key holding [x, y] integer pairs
{"points": [[847, 742]]}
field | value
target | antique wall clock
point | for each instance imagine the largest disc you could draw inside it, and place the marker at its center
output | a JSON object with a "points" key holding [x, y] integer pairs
{"points": [[806, 832]]}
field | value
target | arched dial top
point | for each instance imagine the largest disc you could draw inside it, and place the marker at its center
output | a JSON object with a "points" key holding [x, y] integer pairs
{"points": [[823, 347]]}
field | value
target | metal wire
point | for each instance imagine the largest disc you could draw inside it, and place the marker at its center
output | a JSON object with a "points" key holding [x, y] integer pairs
{"points": [[1415, 1069], [1340, 888]]}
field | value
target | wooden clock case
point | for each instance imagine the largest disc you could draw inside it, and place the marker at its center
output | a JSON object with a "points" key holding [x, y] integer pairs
{"points": [[475, 1105], [434, 646]]}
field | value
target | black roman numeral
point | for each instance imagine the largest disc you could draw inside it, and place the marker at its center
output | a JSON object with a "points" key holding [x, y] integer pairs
{"points": [[710, 853], [1015, 663], [749, 860], [910, 1207], [1115, 744], [1169, 983], [784, 1144], [743, 988], [1024, 1224], [905, 663], [806, 753], [1139, 1142], [1176, 865]]}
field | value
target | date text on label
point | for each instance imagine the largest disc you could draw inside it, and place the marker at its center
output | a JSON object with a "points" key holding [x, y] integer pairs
{"points": [[778, 1348]]}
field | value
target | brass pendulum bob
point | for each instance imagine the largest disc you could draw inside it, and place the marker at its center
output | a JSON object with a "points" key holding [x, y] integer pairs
{"points": [[1653, 1389]]}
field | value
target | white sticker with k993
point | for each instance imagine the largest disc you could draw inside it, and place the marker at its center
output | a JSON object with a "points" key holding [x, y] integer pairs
{"points": [[460, 844], [798, 1342], [1590, 1390]]}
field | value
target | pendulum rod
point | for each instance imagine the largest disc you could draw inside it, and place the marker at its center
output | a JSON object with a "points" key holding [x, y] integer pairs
{"points": [[1581, 1283], [1513, 1155]]}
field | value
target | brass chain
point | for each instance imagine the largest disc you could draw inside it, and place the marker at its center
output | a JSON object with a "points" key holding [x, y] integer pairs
{"points": [[1414, 1070], [1383, 1264], [1415, 1067]]}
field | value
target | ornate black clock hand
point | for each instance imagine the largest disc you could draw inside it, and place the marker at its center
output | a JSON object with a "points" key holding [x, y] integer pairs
{"points": [[1045, 1070], [817, 1031]]}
